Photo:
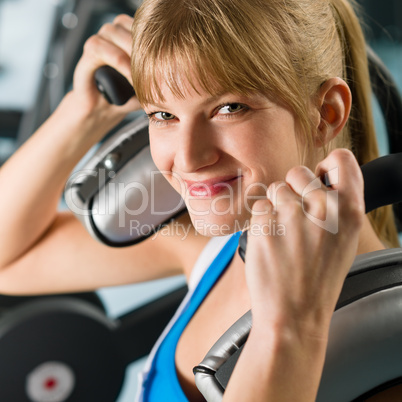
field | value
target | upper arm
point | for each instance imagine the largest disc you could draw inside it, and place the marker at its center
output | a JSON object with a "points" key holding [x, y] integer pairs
{"points": [[68, 259]]}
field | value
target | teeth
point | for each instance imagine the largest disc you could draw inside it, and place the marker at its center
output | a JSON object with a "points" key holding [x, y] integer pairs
{"points": [[201, 191]]}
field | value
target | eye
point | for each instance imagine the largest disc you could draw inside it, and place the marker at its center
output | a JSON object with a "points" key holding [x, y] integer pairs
{"points": [[231, 108], [160, 118], [163, 116]]}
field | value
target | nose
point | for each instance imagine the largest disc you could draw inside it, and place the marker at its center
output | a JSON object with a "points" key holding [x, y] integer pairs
{"points": [[196, 148]]}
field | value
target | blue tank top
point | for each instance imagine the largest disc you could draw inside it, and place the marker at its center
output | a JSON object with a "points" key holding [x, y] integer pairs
{"points": [[162, 383]]}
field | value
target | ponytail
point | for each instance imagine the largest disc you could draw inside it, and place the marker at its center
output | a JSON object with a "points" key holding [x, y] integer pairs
{"points": [[361, 129]]}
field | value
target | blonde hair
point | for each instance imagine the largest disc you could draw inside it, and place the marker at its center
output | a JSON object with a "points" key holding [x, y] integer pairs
{"points": [[284, 49]]}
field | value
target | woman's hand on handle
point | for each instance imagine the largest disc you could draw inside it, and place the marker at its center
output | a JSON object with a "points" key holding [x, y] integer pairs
{"points": [[295, 274], [111, 46]]}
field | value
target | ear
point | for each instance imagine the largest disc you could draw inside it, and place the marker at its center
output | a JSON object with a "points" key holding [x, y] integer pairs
{"points": [[333, 104]]}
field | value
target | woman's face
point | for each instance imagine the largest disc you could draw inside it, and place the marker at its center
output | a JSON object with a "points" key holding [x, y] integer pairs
{"points": [[221, 153]]}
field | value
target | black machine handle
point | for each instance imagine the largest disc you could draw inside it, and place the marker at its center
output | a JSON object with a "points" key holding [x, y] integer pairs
{"points": [[113, 86], [382, 186]]}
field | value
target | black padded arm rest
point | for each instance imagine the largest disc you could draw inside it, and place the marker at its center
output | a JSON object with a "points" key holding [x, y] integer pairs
{"points": [[382, 181]]}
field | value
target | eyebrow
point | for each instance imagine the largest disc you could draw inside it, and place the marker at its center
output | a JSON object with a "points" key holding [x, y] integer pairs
{"points": [[210, 99]]}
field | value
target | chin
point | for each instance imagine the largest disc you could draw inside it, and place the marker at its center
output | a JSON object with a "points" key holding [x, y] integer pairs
{"points": [[218, 225]]}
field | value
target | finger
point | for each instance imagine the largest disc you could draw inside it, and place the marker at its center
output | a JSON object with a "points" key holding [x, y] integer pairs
{"points": [[280, 193], [260, 224], [125, 21], [261, 208], [301, 178], [102, 52], [341, 169], [346, 178], [344, 175], [311, 189], [117, 35]]}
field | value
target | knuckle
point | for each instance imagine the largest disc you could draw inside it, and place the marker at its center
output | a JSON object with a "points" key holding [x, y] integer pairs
{"points": [[260, 207], [106, 29], [91, 43], [296, 172], [121, 19], [273, 189], [120, 58], [342, 155], [277, 184]]}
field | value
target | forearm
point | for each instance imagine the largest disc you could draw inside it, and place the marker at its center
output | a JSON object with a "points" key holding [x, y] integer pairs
{"points": [[282, 367], [32, 180]]}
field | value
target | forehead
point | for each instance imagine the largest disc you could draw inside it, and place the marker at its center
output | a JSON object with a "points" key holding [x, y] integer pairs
{"points": [[182, 87], [181, 81]]}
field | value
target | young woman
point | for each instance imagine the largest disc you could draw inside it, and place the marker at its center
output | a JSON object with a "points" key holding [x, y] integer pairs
{"points": [[248, 102]]}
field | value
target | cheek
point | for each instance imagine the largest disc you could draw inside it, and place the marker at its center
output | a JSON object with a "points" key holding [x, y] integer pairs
{"points": [[161, 154], [275, 150], [163, 158]]}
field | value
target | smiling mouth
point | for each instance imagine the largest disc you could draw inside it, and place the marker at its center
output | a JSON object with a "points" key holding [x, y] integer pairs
{"points": [[209, 188]]}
